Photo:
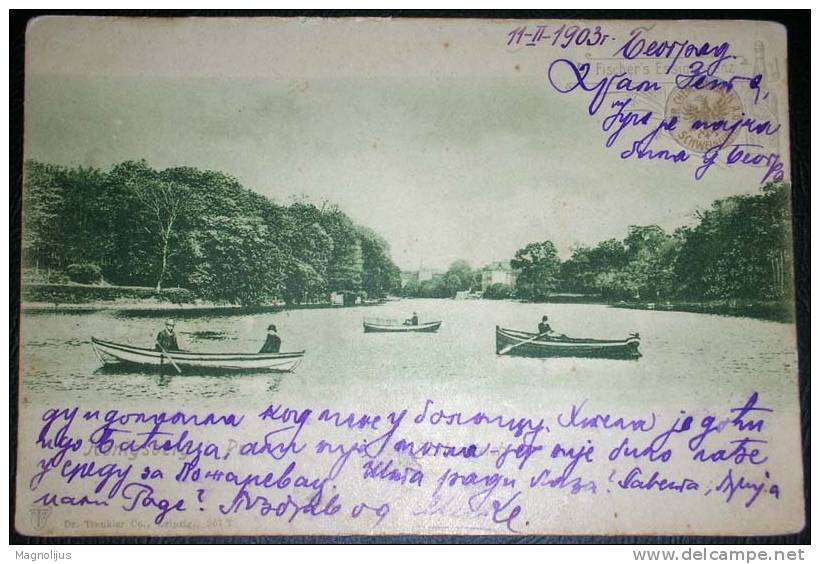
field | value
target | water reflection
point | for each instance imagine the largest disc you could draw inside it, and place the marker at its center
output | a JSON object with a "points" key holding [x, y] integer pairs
{"points": [[206, 335], [203, 382], [195, 313]]}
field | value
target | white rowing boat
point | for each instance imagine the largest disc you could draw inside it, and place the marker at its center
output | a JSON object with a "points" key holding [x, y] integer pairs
{"points": [[115, 352], [374, 327]]}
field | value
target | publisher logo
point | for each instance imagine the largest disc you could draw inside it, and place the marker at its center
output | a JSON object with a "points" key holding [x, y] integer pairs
{"points": [[39, 516]]}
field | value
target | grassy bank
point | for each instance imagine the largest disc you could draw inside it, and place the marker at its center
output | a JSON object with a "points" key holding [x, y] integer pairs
{"points": [[138, 300], [772, 311], [72, 294]]}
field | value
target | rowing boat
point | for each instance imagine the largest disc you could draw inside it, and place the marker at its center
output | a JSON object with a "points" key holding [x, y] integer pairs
{"points": [[521, 343], [384, 327], [110, 352]]}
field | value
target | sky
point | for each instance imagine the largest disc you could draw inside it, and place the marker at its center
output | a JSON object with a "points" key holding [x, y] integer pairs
{"points": [[435, 134]]}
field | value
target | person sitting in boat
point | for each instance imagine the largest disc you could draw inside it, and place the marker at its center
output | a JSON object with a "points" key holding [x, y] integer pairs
{"points": [[544, 329], [273, 343], [167, 339], [413, 320]]}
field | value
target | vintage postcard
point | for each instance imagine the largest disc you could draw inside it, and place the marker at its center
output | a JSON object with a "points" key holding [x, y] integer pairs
{"points": [[373, 276]]}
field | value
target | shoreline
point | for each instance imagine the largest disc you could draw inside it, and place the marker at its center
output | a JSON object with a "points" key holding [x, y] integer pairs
{"points": [[769, 311], [166, 308]]}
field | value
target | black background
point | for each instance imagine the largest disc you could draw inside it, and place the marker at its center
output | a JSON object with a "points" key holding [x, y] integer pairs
{"points": [[797, 23]]}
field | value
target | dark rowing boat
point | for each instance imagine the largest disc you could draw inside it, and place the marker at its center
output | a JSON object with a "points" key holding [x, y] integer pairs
{"points": [[110, 352], [521, 343]]}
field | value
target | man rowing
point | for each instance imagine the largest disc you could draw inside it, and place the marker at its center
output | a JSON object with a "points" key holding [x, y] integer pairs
{"points": [[544, 329], [167, 339]]}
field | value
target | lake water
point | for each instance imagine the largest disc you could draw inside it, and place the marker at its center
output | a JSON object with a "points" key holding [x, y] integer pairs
{"points": [[703, 364], [687, 357]]}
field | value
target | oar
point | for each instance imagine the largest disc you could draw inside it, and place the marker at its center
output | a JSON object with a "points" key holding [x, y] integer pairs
{"points": [[168, 355], [505, 350]]}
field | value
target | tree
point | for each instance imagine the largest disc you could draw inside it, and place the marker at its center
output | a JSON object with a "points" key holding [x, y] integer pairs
{"points": [[497, 291], [379, 274], [434, 288], [590, 269], [302, 283], [236, 261], [462, 270], [411, 289], [42, 202], [641, 265], [309, 250], [157, 202], [345, 267], [740, 248], [452, 284], [539, 267], [647, 249], [166, 201]]}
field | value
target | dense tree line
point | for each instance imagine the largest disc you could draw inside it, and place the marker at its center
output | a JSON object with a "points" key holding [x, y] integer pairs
{"points": [[740, 248], [195, 229]]}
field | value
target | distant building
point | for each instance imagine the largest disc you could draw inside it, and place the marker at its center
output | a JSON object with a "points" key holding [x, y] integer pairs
{"points": [[498, 273], [339, 299]]}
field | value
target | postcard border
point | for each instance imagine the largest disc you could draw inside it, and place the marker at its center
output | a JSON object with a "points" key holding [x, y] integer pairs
{"points": [[796, 23]]}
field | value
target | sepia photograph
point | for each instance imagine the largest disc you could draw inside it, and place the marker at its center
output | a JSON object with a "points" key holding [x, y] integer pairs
{"points": [[329, 276]]}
